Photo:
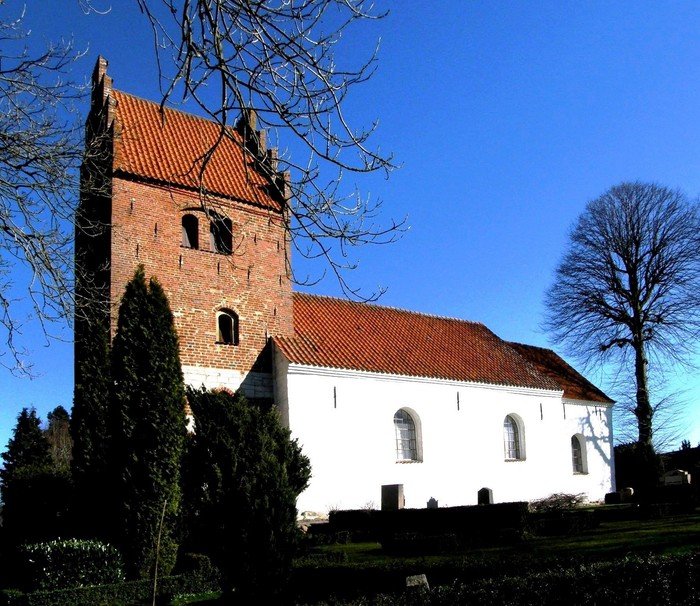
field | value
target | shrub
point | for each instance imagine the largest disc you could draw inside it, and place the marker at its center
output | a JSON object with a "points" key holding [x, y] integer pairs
{"points": [[477, 521], [200, 569], [63, 564], [559, 501], [129, 592], [242, 475], [11, 597]]}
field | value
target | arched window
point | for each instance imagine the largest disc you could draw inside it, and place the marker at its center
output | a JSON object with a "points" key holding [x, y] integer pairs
{"points": [[227, 327], [578, 454], [221, 235], [512, 439], [190, 231], [407, 439]]}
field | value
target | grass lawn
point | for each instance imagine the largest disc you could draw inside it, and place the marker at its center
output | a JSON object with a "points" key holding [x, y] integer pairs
{"points": [[200, 598], [346, 568], [671, 535]]}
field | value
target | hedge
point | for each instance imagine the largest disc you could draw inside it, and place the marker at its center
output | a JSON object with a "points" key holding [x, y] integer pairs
{"points": [[129, 592], [470, 524], [653, 580], [68, 563]]}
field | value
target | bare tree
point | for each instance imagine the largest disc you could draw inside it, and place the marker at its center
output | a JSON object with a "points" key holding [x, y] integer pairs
{"points": [[40, 151], [274, 61], [57, 433], [628, 288], [668, 409]]}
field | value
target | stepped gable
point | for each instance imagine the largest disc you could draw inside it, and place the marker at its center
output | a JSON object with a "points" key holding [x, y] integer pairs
{"points": [[575, 385], [167, 148], [338, 333]]}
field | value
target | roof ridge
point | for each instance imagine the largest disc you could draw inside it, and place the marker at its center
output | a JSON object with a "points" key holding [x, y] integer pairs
{"points": [[532, 346], [176, 110], [392, 308]]}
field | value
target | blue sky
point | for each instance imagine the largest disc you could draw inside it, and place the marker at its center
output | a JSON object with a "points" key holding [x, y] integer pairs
{"points": [[506, 119]]}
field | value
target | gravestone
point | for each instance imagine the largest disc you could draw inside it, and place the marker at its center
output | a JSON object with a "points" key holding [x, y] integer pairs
{"points": [[432, 503], [392, 497], [675, 477], [485, 496], [626, 494], [417, 581]]}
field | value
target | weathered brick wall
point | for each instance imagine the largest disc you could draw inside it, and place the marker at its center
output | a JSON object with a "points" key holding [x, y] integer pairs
{"points": [[252, 281]]}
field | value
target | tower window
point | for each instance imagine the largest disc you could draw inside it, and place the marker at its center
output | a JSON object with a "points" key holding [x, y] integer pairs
{"points": [[190, 231], [221, 235], [227, 327]]}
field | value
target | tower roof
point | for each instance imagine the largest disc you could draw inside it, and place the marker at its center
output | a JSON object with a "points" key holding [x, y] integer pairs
{"points": [[168, 147]]}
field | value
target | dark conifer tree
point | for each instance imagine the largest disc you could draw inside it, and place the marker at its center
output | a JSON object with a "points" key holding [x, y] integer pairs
{"points": [[27, 449], [90, 426], [149, 427], [93, 501], [33, 493], [59, 439], [243, 474]]}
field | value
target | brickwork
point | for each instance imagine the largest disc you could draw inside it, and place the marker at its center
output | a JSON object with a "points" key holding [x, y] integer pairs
{"points": [[145, 227], [252, 281]]}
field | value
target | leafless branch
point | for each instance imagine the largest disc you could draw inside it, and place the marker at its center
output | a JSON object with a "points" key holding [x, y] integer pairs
{"points": [[275, 61], [628, 289], [40, 152]]}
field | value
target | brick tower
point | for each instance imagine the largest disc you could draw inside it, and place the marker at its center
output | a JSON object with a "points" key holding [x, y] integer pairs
{"points": [[219, 245]]}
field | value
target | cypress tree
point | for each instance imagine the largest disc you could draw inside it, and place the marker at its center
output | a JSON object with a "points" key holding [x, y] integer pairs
{"points": [[149, 427], [243, 474], [93, 497]]}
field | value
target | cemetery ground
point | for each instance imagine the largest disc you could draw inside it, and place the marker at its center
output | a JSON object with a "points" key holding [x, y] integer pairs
{"points": [[627, 553], [650, 561]]}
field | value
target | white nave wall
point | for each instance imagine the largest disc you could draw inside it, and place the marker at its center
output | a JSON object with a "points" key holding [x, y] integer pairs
{"points": [[344, 423]]}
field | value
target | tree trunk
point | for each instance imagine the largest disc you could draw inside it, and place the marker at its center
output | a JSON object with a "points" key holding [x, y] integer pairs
{"points": [[643, 410]]}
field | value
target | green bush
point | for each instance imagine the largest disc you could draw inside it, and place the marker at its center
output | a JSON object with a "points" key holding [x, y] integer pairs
{"points": [[129, 592], [200, 569], [63, 564], [241, 477], [11, 597]]}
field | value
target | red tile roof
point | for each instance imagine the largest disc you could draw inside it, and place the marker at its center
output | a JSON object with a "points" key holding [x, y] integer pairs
{"points": [[167, 148], [338, 333], [576, 386]]}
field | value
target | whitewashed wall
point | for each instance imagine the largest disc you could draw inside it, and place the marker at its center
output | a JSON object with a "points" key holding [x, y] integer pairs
{"points": [[350, 439], [253, 384]]}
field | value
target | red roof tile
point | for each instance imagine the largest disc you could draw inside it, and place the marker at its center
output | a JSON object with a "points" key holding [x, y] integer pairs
{"points": [[338, 333], [167, 148], [576, 386]]}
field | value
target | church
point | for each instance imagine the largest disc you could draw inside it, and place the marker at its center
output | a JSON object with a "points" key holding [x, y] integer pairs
{"points": [[375, 395]]}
